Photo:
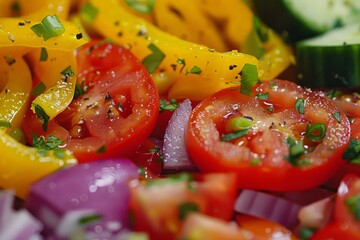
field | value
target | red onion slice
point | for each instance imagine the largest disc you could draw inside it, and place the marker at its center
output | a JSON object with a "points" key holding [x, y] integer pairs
{"points": [[267, 206], [16, 225], [174, 151]]}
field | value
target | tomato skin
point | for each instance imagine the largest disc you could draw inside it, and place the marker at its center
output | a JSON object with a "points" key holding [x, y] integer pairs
{"points": [[156, 207], [273, 172], [115, 114], [336, 231]]}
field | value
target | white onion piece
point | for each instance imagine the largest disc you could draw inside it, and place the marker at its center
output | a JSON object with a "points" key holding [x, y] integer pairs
{"points": [[267, 206], [317, 214], [174, 151], [16, 225]]}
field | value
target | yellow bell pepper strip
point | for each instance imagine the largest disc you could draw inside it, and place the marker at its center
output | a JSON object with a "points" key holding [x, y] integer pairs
{"points": [[14, 96], [20, 165], [186, 20], [59, 87], [176, 58], [17, 32], [34, 9]]}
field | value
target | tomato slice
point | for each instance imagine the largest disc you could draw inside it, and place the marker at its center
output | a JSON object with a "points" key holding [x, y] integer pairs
{"points": [[117, 108], [160, 206], [280, 147]]}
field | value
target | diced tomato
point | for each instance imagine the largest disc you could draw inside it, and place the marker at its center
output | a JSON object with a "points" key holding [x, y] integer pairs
{"points": [[277, 151], [160, 206]]}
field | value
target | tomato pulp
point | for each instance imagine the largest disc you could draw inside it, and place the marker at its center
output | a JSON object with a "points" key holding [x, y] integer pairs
{"points": [[114, 109], [281, 138]]}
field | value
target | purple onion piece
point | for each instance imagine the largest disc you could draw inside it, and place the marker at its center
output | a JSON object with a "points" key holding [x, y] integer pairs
{"points": [[267, 206], [174, 151], [100, 187]]}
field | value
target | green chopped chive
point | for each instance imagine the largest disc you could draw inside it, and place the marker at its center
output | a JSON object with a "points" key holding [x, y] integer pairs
{"points": [[42, 116], [316, 131], [333, 93], [336, 115], [43, 54], [88, 12], [300, 105], [186, 208], [353, 204], [194, 70], [241, 123], [234, 135], [263, 96], [142, 6], [181, 177], [270, 109], [255, 162], [101, 149], [249, 78], [168, 105], [352, 153], [153, 60], [89, 219], [49, 27], [296, 151], [38, 89], [306, 233]]}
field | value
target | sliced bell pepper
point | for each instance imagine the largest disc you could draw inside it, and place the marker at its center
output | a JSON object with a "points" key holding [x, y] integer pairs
{"points": [[14, 96], [176, 58], [20, 165]]}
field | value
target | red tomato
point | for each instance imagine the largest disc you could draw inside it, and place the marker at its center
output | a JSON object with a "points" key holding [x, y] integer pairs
{"points": [[346, 222], [270, 155], [160, 206], [148, 158], [264, 229], [355, 129], [198, 227], [116, 113]]}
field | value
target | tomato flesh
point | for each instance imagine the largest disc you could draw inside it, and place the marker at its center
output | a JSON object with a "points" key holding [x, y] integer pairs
{"points": [[259, 157]]}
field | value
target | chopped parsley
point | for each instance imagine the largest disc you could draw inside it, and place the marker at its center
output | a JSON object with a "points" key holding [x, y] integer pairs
{"points": [[249, 78], [5, 124], [194, 70], [336, 115], [101, 149], [142, 6], [80, 89], [300, 105], [43, 55], [49, 27], [234, 135], [85, 220], [352, 153], [168, 105], [66, 73], [187, 207], [296, 151], [153, 60], [49, 143], [263, 96], [38, 89], [181, 62], [353, 204], [42, 116]]}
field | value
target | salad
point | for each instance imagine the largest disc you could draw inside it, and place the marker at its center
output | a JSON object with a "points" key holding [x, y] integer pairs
{"points": [[145, 119]]}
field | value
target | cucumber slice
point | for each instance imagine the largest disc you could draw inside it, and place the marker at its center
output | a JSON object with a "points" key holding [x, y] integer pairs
{"points": [[331, 60], [300, 19]]}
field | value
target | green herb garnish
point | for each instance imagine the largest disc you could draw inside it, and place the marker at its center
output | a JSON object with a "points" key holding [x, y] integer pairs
{"points": [[249, 78], [316, 131], [88, 12], [263, 96], [353, 204], [153, 60], [300, 105], [5, 124], [49, 27], [89, 219], [42, 116], [43, 54], [168, 105], [101, 149], [336, 115], [234, 135], [186, 208], [296, 151], [352, 153], [38, 89], [49, 143], [194, 70]]}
